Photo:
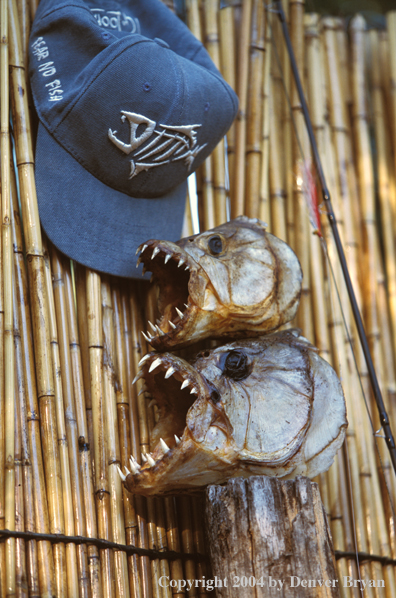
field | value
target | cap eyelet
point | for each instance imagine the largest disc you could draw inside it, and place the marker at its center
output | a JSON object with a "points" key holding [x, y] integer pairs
{"points": [[146, 87], [106, 35], [207, 106]]}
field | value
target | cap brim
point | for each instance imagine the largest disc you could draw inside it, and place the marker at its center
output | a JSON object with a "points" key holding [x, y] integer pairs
{"points": [[93, 224]]}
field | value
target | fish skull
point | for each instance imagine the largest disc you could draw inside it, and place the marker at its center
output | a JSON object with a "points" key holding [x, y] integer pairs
{"points": [[235, 280], [269, 405]]}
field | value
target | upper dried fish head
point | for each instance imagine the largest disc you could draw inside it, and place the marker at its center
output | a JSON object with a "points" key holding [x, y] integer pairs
{"points": [[234, 280], [268, 406]]}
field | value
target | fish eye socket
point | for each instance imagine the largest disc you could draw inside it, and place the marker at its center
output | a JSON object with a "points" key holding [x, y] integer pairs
{"points": [[215, 396], [236, 365], [215, 245]]}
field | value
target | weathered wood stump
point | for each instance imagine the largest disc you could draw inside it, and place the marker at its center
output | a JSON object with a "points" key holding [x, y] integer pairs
{"points": [[270, 538]]}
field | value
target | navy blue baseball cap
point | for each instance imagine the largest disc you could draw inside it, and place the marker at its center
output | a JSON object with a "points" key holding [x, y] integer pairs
{"points": [[129, 104]]}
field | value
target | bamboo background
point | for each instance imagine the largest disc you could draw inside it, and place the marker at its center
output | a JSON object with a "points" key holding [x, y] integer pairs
{"points": [[70, 338]]}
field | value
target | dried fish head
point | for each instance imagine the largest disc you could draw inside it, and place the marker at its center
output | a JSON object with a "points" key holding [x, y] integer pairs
{"points": [[268, 405], [235, 280]]}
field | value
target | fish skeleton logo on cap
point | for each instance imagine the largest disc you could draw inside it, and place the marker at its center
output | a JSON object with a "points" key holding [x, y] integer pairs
{"points": [[168, 145]]}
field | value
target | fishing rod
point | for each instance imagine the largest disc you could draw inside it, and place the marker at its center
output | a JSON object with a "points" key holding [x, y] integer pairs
{"points": [[340, 251]]}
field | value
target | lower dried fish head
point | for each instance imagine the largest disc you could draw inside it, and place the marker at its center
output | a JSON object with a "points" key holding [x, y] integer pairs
{"points": [[234, 280], [268, 406]]}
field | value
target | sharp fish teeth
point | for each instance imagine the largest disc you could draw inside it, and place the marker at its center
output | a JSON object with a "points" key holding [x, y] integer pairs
{"points": [[164, 446], [143, 248], [160, 332], [155, 252], [171, 370], [134, 465], [144, 458], [155, 364], [152, 403], [167, 258], [138, 262], [127, 470], [141, 391], [148, 338], [137, 377], [177, 439], [185, 305], [122, 476], [150, 460], [143, 359], [181, 262], [194, 391], [152, 326], [172, 324], [179, 313], [187, 268], [185, 383]]}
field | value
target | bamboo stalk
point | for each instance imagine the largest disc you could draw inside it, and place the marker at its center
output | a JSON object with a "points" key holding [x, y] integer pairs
{"points": [[152, 539], [102, 494], [218, 154], [162, 544], [277, 169], [7, 275], [383, 181], [172, 533], [205, 171], [238, 205], [139, 428], [27, 565], [228, 70], [265, 198], [316, 103], [391, 28], [21, 587], [287, 129], [254, 124], [119, 301], [110, 374], [24, 21], [385, 75], [277, 188], [300, 153], [183, 507]]}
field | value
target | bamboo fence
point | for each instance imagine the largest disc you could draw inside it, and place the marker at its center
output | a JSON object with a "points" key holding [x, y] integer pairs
{"points": [[70, 338]]}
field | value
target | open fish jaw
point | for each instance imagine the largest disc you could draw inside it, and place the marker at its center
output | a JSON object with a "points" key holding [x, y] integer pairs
{"points": [[187, 413], [235, 280], [263, 406]]}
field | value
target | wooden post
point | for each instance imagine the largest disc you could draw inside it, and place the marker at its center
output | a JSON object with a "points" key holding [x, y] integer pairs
{"points": [[273, 534]]}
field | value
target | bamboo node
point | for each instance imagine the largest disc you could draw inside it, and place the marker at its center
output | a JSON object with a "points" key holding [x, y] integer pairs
{"points": [[82, 444]]}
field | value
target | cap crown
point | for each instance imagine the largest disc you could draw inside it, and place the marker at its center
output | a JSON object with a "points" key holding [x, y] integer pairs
{"points": [[135, 113]]}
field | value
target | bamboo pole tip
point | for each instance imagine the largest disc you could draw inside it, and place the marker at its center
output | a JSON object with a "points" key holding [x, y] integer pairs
{"points": [[329, 23], [311, 24], [311, 19], [358, 23]]}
